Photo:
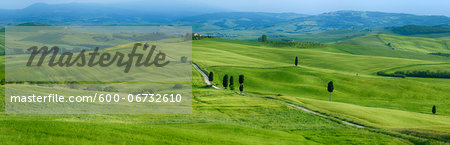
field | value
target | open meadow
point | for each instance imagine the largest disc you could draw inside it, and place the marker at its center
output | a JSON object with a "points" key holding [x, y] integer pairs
{"points": [[392, 110]]}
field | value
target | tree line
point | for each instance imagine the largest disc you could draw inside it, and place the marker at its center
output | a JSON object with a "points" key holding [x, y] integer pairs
{"points": [[296, 44], [229, 82], [415, 29], [416, 73], [201, 37], [441, 54], [382, 73]]}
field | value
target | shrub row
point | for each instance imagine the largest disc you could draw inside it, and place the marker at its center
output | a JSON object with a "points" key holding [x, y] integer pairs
{"points": [[441, 54], [381, 73], [415, 73], [296, 44]]}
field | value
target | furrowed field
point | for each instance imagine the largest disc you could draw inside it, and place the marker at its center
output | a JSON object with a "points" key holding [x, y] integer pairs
{"points": [[394, 110]]}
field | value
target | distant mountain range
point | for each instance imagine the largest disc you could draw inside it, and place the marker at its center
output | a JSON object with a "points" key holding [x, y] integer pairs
{"points": [[359, 20], [119, 13], [207, 18], [239, 20]]}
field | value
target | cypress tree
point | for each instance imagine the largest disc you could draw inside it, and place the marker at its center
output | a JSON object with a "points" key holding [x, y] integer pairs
{"points": [[211, 76], [434, 109], [241, 88], [225, 81], [330, 88], [241, 79]]}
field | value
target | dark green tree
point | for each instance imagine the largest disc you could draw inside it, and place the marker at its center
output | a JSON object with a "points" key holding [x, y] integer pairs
{"points": [[263, 38], [241, 88], [211, 76], [434, 109], [330, 88], [225, 81], [241, 79], [296, 61]]}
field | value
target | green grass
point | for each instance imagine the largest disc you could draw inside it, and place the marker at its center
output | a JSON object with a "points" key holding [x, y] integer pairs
{"points": [[384, 104], [431, 67], [440, 35], [2, 43], [367, 91], [78, 39], [218, 117], [400, 46], [64, 132], [277, 35], [2, 65], [327, 36], [270, 70], [378, 117]]}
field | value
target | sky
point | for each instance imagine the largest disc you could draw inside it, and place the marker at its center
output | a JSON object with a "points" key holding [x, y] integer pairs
{"points": [[419, 7]]}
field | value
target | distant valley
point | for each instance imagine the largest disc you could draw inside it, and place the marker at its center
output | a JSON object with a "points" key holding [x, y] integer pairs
{"points": [[209, 19]]}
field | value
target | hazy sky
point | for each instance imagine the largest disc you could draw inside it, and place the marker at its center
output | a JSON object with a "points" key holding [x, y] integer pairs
{"points": [[421, 7]]}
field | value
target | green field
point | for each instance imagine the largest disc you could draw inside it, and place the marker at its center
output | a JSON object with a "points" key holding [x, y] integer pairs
{"points": [[364, 98], [424, 67], [396, 46], [218, 116], [394, 110]]}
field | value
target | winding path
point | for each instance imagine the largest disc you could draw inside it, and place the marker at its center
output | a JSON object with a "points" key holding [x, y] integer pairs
{"points": [[206, 79], [319, 114]]}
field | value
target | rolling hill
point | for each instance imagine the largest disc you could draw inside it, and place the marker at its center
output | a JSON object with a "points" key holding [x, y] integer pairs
{"points": [[104, 14], [357, 20], [422, 31], [209, 19], [393, 110], [362, 97], [239, 20], [397, 46]]}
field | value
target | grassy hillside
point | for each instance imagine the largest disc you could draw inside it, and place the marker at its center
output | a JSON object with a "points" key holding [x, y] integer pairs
{"points": [[395, 111], [430, 67], [327, 36], [238, 20], [218, 116], [356, 19], [396, 46], [32, 24], [2, 43], [2, 53], [270, 71], [417, 30]]}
